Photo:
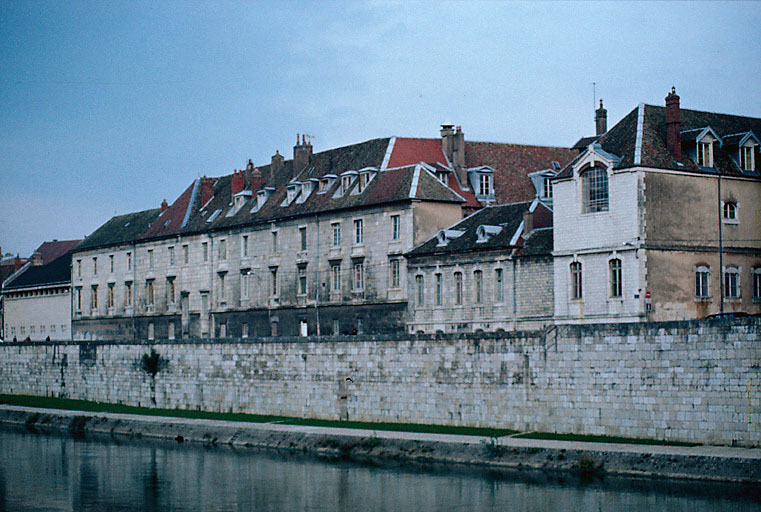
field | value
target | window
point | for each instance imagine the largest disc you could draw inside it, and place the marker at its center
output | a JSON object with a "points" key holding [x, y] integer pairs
{"points": [[171, 255], [336, 326], [171, 331], [394, 271], [705, 154], [364, 179], [420, 290], [594, 185], [345, 183], [274, 242], [614, 273], [78, 299], [395, 227], [359, 276], [731, 283], [244, 278], [499, 288], [129, 261], [746, 158], [702, 282], [302, 280], [110, 296], [223, 249], [149, 292], [303, 237], [576, 290], [111, 263], [336, 234], [170, 293], [94, 298], [244, 331], [273, 282], [335, 278], [730, 211], [244, 246], [443, 177], [358, 232], [547, 191], [478, 277], [79, 268], [458, 288], [95, 266], [151, 331], [205, 247], [484, 184], [150, 258], [757, 284], [438, 289], [127, 295], [221, 281]]}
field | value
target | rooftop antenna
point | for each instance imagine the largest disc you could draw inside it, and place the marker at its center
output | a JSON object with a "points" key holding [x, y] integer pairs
{"points": [[309, 137]]}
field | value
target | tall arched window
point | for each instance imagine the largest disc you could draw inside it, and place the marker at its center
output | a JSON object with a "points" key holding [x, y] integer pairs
{"points": [[616, 282], [732, 283], [594, 187], [702, 282], [576, 291]]}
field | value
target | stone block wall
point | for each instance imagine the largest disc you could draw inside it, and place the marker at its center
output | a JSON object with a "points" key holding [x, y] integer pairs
{"points": [[697, 381]]}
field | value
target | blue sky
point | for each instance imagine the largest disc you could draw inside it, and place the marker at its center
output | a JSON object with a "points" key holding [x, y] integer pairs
{"points": [[109, 107]]}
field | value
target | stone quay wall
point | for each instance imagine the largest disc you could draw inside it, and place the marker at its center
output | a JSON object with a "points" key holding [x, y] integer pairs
{"points": [[695, 381]]}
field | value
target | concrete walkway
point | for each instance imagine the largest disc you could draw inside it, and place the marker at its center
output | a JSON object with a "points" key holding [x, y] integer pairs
{"points": [[693, 462]]}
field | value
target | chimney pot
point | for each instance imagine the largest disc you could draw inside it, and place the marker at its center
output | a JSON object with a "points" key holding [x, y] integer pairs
{"points": [[601, 120], [528, 223], [301, 154], [164, 206], [237, 182], [674, 125]]}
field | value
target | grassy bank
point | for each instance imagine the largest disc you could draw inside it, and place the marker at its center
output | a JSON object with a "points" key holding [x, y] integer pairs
{"points": [[83, 405]]}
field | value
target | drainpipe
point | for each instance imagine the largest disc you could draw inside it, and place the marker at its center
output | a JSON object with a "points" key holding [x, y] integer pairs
{"points": [[317, 275], [514, 288], [210, 316], [721, 259]]}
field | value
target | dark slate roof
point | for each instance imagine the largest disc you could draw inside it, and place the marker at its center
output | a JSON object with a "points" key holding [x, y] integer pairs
{"points": [[539, 243], [508, 217], [56, 272], [512, 163], [583, 142], [621, 140], [120, 229]]}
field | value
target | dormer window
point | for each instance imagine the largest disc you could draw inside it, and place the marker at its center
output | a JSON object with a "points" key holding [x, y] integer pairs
{"points": [[364, 179], [484, 184], [347, 179], [484, 232], [323, 185], [547, 188], [261, 198], [445, 235], [747, 160], [443, 176], [705, 154], [292, 192]]}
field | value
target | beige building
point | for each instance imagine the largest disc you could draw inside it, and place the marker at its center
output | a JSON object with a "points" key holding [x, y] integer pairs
{"points": [[659, 218]]}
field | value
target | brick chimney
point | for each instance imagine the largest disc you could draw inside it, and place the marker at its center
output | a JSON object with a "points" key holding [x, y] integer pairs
{"points": [[301, 153], [164, 206], [36, 259], [674, 125], [207, 189], [447, 136], [278, 161], [601, 120], [238, 182], [453, 146], [255, 180]]}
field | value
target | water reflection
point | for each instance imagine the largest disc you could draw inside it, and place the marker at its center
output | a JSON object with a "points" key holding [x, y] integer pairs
{"points": [[39, 472]]}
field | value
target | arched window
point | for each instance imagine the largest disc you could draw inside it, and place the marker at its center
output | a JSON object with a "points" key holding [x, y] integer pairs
{"points": [[576, 291], [730, 210], [732, 283], [702, 282], [458, 288], [615, 278], [594, 187]]}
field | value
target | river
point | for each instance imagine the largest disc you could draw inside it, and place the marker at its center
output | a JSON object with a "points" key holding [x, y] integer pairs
{"points": [[51, 473]]}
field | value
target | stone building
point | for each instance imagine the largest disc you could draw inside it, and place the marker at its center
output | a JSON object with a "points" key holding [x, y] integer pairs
{"points": [[491, 271], [659, 218], [310, 245], [37, 297]]}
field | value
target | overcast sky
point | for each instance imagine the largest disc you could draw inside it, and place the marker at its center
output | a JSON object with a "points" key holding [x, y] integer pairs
{"points": [[109, 107]]}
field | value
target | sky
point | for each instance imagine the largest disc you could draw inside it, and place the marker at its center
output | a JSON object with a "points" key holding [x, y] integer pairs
{"points": [[109, 107]]}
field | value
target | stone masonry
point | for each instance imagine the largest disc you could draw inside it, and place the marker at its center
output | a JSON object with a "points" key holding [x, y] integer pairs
{"points": [[696, 381]]}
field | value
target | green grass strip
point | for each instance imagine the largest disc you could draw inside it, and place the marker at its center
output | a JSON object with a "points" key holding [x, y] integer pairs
{"points": [[83, 405], [600, 439]]}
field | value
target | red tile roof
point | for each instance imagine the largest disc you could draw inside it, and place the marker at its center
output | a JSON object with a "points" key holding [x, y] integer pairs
{"points": [[410, 151], [512, 164], [171, 220]]}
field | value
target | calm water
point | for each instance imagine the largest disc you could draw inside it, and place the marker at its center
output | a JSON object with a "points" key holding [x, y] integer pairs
{"points": [[39, 472]]}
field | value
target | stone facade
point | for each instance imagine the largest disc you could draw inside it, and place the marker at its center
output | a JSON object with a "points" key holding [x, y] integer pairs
{"points": [[681, 381]]}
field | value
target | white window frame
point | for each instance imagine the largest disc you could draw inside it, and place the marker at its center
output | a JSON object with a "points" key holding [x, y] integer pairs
{"points": [[485, 184], [244, 284], [359, 232], [335, 278], [593, 181], [577, 280], [358, 276], [396, 226], [458, 287], [732, 288], [336, 229], [705, 154], [615, 278], [702, 282], [478, 284], [395, 273]]}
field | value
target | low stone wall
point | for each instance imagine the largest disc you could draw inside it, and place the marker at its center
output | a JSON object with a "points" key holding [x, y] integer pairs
{"points": [[696, 381]]}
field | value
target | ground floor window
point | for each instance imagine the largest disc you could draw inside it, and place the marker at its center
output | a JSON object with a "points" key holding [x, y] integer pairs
{"points": [[732, 283], [702, 282], [576, 290]]}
